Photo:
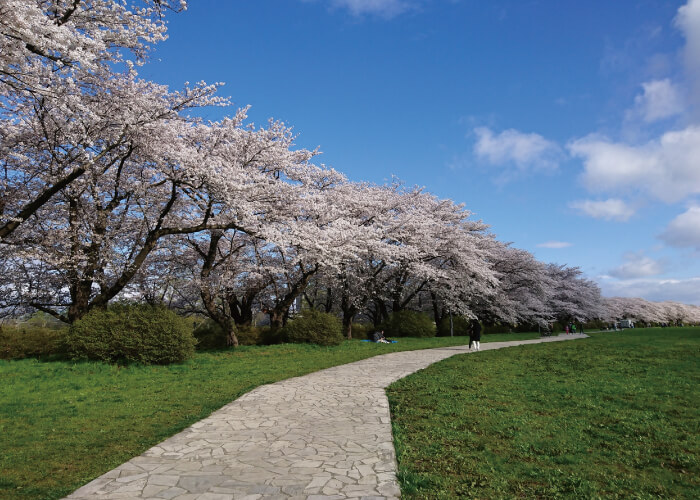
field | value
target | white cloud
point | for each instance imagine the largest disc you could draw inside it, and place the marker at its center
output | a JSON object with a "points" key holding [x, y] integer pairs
{"points": [[637, 265], [686, 291], [511, 147], [688, 20], [554, 244], [684, 230], [661, 99], [382, 8], [667, 169], [612, 209]]}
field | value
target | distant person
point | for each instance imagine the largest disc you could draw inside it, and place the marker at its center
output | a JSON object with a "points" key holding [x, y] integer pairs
{"points": [[573, 328], [379, 337], [475, 335], [581, 329], [566, 329]]}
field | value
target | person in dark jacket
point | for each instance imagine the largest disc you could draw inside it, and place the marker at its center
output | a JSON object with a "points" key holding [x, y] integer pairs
{"points": [[379, 337], [475, 335]]}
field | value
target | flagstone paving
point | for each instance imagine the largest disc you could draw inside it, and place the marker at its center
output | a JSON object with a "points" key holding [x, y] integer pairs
{"points": [[323, 436]]}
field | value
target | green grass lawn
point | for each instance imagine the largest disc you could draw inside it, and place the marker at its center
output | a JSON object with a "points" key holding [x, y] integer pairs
{"points": [[63, 424], [613, 416]]}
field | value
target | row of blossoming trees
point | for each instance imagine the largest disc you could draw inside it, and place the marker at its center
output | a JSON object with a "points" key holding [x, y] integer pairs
{"points": [[111, 187], [644, 311]]}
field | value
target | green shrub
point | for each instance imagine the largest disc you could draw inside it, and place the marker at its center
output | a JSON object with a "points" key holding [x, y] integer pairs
{"points": [[248, 335], [557, 327], [41, 319], [497, 328], [314, 327], [210, 335], [127, 332], [598, 325], [269, 336], [460, 327], [17, 342], [362, 331], [408, 324]]}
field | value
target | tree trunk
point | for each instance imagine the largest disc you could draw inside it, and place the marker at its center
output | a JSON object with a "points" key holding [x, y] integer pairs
{"points": [[329, 300], [436, 311], [80, 300], [348, 307], [242, 310], [381, 312], [347, 323], [276, 319], [231, 338], [280, 313]]}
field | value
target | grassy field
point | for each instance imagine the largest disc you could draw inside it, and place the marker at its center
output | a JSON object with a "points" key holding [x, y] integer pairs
{"points": [[63, 424], [613, 416]]}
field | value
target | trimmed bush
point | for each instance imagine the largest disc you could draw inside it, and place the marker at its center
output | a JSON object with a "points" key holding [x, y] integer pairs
{"points": [[460, 327], [409, 324], [314, 327], [131, 332], [17, 342]]}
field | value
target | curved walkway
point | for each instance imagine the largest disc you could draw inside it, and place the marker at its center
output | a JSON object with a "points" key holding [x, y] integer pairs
{"points": [[326, 435]]}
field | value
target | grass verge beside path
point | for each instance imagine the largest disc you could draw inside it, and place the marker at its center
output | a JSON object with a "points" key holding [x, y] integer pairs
{"points": [[613, 416], [63, 424]]}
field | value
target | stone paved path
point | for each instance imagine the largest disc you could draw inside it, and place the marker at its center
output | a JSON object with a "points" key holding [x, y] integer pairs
{"points": [[326, 435]]}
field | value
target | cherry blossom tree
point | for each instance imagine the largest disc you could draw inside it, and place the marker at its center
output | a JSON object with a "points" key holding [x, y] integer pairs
{"points": [[219, 280], [523, 291], [295, 240], [641, 310], [74, 36], [617, 308], [441, 250], [58, 141], [64, 107], [183, 178], [572, 297], [416, 243], [109, 184]]}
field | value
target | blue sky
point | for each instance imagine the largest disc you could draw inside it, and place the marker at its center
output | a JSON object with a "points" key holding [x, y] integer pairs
{"points": [[572, 128]]}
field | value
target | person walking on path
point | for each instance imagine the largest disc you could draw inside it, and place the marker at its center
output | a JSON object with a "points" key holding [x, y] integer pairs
{"points": [[475, 335]]}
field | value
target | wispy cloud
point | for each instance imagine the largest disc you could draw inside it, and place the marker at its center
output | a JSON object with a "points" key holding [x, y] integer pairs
{"points": [[612, 209], [382, 8], [637, 265], [525, 151], [554, 244]]}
